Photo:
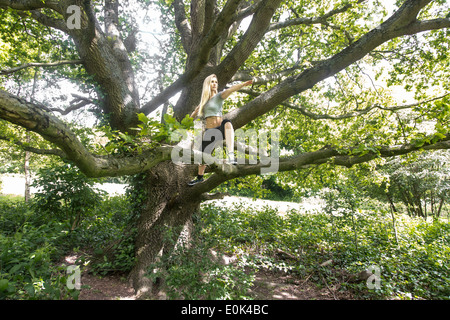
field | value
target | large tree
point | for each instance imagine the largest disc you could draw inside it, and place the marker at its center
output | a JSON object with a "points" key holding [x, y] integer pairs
{"points": [[314, 65]]}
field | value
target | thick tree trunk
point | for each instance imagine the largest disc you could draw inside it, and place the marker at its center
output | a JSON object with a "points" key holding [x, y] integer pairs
{"points": [[166, 214]]}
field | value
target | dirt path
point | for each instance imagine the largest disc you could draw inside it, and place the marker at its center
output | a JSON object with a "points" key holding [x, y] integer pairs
{"points": [[282, 286], [267, 286], [111, 287]]}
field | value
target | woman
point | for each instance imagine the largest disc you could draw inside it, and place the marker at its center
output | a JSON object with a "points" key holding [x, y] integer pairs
{"points": [[210, 109]]}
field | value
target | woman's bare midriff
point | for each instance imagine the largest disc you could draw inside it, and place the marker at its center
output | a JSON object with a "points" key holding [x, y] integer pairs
{"points": [[213, 122]]}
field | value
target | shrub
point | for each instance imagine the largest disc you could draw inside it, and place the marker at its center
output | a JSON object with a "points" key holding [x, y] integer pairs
{"points": [[66, 193], [27, 255], [110, 231]]}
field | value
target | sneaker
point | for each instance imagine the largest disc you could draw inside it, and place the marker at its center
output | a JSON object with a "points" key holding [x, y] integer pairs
{"points": [[195, 181], [231, 161]]}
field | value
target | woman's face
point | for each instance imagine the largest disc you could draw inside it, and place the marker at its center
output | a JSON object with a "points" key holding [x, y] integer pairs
{"points": [[214, 84]]}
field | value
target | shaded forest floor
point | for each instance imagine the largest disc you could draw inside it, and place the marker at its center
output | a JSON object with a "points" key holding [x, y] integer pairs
{"points": [[267, 286]]}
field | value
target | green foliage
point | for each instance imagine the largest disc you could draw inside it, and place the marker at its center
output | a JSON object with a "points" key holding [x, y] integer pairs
{"points": [[28, 251], [23, 40], [418, 181], [65, 193], [111, 233], [262, 187], [12, 156], [111, 230], [414, 267], [32, 244], [150, 133], [413, 255]]}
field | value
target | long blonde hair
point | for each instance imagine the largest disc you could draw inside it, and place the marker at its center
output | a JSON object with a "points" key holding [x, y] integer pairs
{"points": [[206, 95]]}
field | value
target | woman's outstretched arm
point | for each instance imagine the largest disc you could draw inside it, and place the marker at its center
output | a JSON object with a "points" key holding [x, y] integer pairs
{"points": [[226, 93]]}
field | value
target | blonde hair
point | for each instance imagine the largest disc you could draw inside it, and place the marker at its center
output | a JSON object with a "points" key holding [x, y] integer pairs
{"points": [[206, 94]]}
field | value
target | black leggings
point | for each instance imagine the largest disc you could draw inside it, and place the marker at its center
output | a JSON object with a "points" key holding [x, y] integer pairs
{"points": [[210, 139]]}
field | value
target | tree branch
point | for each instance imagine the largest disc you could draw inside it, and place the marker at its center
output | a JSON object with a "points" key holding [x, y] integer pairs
{"points": [[182, 24], [427, 25], [253, 35], [248, 10], [198, 58], [26, 4], [106, 59], [341, 157], [33, 118], [312, 20], [26, 147], [214, 196], [49, 21], [167, 93], [72, 107], [111, 13], [399, 24], [223, 21], [39, 64], [197, 16], [211, 12], [245, 76], [357, 113]]}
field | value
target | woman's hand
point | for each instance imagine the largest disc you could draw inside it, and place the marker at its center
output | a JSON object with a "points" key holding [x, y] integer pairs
{"points": [[247, 83]]}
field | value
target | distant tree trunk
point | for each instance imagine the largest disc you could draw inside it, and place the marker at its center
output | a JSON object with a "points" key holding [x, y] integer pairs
{"points": [[394, 225], [26, 168], [438, 213], [391, 202], [406, 200], [417, 202], [432, 203]]}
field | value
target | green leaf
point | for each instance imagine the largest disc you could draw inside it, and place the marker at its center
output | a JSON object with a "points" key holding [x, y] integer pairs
{"points": [[187, 122], [29, 288], [419, 143], [126, 137], [169, 119], [143, 118], [3, 284], [16, 268]]}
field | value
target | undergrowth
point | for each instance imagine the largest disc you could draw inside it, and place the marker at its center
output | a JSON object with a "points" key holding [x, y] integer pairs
{"points": [[412, 259], [411, 255]]}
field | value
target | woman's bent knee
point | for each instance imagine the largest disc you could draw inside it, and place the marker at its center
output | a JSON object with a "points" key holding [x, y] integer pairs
{"points": [[228, 125]]}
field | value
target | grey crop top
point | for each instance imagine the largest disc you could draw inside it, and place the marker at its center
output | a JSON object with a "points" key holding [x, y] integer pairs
{"points": [[213, 108]]}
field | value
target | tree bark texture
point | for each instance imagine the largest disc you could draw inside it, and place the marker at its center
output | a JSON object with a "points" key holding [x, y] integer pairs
{"points": [[166, 214]]}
